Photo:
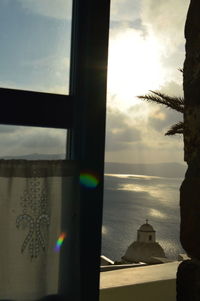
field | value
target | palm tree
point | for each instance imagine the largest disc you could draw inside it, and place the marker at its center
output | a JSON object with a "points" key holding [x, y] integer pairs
{"points": [[174, 103]]}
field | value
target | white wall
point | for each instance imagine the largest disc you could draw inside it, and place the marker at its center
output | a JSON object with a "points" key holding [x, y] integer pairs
{"points": [[147, 283]]}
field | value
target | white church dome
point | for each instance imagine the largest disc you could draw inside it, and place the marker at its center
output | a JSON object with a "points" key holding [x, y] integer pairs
{"points": [[146, 228], [145, 248]]}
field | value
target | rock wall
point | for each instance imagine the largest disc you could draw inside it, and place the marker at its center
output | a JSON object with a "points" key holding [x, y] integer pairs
{"points": [[191, 83], [188, 276], [190, 190]]}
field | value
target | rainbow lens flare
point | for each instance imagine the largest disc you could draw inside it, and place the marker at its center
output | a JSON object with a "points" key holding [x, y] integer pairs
{"points": [[88, 180], [59, 242]]}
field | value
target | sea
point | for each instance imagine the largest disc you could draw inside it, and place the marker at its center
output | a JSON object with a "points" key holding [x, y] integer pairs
{"points": [[131, 199]]}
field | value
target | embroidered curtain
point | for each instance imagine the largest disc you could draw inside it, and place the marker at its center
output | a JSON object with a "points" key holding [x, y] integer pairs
{"points": [[35, 199]]}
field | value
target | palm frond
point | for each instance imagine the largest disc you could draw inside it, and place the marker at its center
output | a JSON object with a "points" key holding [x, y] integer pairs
{"points": [[175, 129], [175, 103]]}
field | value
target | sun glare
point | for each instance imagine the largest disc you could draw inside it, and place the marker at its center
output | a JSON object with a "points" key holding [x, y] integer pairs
{"points": [[134, 67]]}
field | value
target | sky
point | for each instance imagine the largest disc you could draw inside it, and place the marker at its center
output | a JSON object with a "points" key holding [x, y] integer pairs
{"points": [[146, 49], [145, 52]]}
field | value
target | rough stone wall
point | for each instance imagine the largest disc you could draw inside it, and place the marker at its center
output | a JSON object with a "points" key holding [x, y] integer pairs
{"points": [[191, 82], [190, 190], [188, 276]]}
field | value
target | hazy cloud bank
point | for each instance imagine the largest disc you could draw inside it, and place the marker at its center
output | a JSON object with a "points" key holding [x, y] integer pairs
{"points": [[59, 9], [17, 140]]}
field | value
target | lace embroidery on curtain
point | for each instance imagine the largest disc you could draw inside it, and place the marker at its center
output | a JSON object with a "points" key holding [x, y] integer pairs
{"points": [[35, 216], [38, 201]]}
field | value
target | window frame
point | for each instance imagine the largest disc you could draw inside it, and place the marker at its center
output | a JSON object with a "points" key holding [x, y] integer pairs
{"points": [[35, 109], [83, 113]]}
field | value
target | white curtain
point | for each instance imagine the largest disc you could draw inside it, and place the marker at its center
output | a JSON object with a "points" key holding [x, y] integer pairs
{"points": [[32, 194]]}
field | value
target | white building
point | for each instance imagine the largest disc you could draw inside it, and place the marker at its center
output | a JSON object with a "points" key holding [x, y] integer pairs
{"points": [[145, 249]]}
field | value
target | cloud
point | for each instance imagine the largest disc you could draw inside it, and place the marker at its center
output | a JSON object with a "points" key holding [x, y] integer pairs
{"points": [[57, 69], [124, 15], [134, 66], [147, 155], [57, 88], [124, 139], [42, 138], [155, 140], [9, 84], [162, 119], [128, 135], [59, 9], [138, 135], [19, 140], [162, 23], [120, 135], [172, 62], [124, 10], [165, 19], [35, 50], [7, 129], [173, 88]]}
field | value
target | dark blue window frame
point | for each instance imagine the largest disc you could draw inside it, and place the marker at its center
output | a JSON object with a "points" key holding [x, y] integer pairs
{"points": [[83, 113]]}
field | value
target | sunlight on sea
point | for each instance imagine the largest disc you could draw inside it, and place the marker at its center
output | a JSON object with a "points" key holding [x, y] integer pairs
{"points": [[132, 176], [128, 201], [156, 213], [139, 183]]}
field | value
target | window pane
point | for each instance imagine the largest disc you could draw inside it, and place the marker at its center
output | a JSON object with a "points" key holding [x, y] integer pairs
{"points": [[35, 45], [144, 168], [34, 198], [37, 198], [32, 143]]}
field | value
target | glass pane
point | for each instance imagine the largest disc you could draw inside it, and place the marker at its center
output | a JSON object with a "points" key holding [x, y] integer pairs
{"points": [[35, 45], [32, 143], [34, 195], [37, 200], [144, 168]]}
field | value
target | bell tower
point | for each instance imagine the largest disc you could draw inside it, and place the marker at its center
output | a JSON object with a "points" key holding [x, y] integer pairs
{"points": [[146, 233]]}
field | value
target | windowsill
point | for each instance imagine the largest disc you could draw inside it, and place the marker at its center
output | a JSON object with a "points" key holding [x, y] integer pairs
{"points": [[152, 282]]}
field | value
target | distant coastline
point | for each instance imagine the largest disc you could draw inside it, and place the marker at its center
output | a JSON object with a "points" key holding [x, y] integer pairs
{"points": [[169, 170]]}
